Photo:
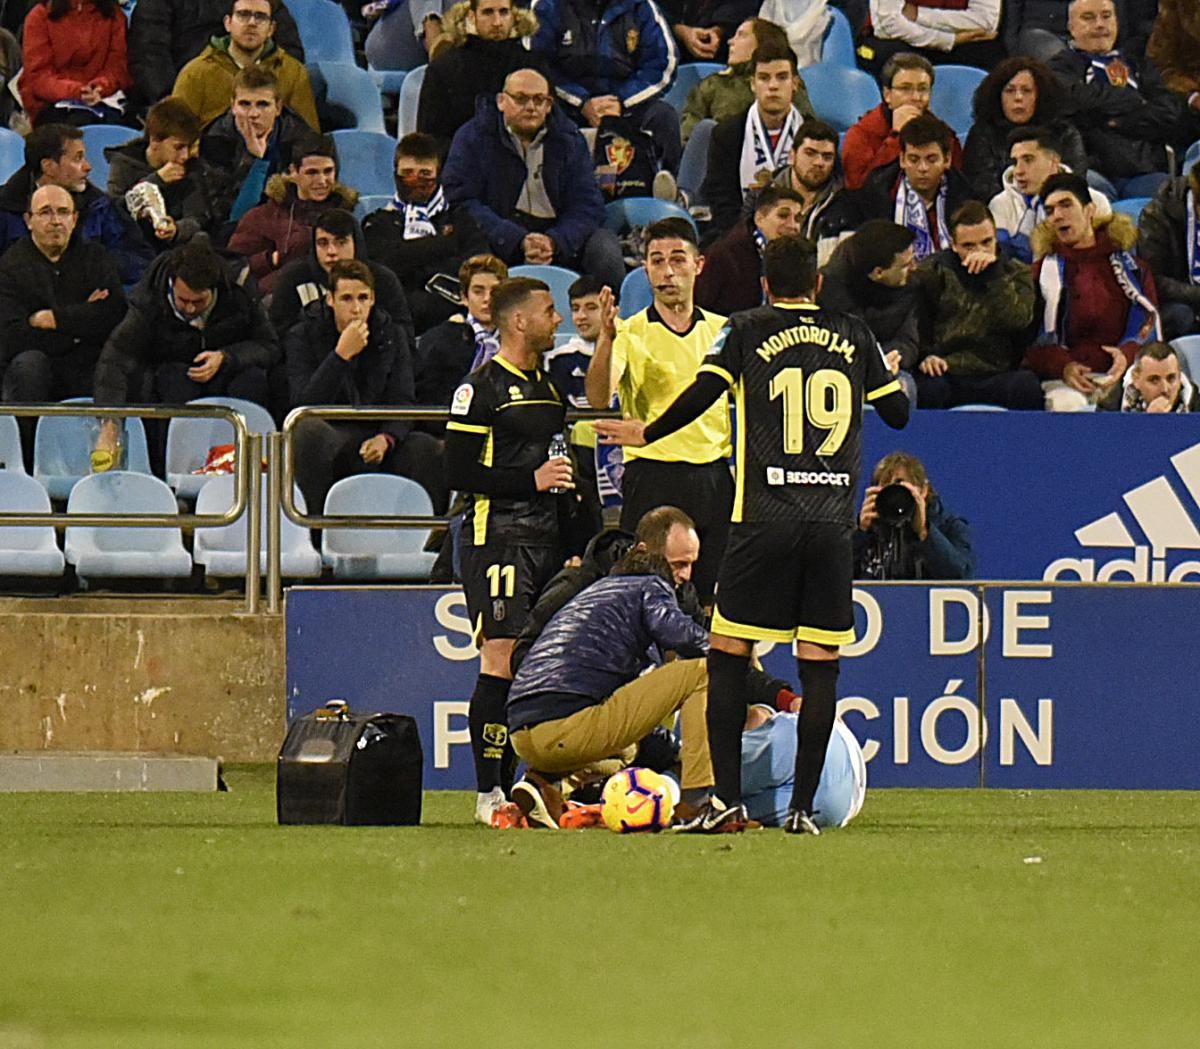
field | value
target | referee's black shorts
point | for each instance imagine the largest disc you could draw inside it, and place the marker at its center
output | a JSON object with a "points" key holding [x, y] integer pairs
{"points": [[502, 582], [703, 491], [787, 581]]}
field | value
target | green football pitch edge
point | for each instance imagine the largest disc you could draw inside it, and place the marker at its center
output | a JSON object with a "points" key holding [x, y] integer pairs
{"points": [[938, 918]]}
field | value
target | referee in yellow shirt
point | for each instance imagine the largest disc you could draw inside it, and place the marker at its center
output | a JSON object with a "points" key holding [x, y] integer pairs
{"points": [[647, 362]]}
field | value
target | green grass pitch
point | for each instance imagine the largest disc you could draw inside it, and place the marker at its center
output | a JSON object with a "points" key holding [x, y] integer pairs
{"points": [[938, 919]]}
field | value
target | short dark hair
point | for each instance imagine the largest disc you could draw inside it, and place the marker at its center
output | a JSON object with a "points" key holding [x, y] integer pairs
{"points": [[197, 265], [905, 60], [790, 266], [927, 130], [419, 146], [673, 228], [314, 146], [876, 244], [350, 269], [1039, 133], [254, 78], [1068, 182], [817, 130], [772, 195], [48, 142], [971, 213], [511, 293], [772, 52], [585, 285], [477, 264], [1156, 351], [172, 117], [274, 5], [655, 525], [768, 32], [337, 221]]}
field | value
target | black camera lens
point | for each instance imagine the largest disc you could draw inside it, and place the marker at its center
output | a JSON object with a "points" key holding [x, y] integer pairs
{"points": [[895, 506]]}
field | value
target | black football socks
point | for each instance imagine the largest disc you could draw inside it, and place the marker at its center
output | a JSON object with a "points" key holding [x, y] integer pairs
{"points": [[726, 717], [494, 757], [818, 685]]}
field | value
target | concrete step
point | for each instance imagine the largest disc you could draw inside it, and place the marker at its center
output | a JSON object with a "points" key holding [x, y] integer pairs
{"points": [[83, 770]]}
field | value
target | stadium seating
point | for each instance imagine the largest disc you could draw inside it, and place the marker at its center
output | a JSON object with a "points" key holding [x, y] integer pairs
{"points": [[354, 88], [373, 553], [389, 81], [27, 551], [1191, 157], [12, 153], [1131, 206], [365, 160], [96, 139], [560, 280], [838, 48], [622, 215], [840, 94], [324, 30], [687, 76], [120, 552], [62, 449], [189, 441], [978, 408], [953, 98], [694, 162], [410, 99], [222, 551], [635, 292], [1188, 348], [368, 202], [11, 458]]}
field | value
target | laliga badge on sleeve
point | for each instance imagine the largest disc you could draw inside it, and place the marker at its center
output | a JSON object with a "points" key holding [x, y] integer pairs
{"points": [[461, 404]]}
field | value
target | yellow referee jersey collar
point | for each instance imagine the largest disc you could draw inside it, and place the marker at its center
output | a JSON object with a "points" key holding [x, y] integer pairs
{"points": [[656, 318]]}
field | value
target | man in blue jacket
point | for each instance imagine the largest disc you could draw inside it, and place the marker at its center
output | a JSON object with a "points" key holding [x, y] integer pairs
{"points": [[612, 58], [523, 172]]}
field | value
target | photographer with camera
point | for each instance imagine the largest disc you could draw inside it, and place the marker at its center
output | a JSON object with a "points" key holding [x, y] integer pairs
{"points": [[904, 530]]}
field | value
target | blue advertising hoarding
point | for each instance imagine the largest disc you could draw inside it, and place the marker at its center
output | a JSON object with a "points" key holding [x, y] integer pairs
{"points": [[1075, 686]]}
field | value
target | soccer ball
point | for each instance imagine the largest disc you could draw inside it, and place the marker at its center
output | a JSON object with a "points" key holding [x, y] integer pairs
{"points": [[637, 800]]}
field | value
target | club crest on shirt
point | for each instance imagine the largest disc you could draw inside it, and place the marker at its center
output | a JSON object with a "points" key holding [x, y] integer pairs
{"points": [[514, 392], [461, 404], [632, 38], [619, 153], [568, 38]]}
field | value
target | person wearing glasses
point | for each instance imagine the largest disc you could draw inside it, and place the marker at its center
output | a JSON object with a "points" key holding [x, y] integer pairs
{"points": [[524, 173], [206, 82], [907, 84]]}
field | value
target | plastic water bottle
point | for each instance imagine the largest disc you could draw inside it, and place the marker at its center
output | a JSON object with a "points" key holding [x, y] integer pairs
{"points": [[557, 450]]}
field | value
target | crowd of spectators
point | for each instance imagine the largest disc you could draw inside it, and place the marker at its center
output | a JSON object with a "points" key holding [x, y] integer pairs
{"points": [[1005, 268]]}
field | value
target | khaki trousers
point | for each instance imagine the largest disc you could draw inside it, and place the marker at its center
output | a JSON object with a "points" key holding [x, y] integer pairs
{"points": [[613, 728]]}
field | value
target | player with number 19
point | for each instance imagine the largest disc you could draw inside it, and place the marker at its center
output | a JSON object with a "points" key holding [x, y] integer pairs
{"points": [[799, 375]]}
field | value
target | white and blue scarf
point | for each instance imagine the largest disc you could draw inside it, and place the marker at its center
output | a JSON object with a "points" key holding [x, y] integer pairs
{"points": [[418, 218], [1141, 324], [760, 163], [911, 212], [1193, 240], [487, 343]]}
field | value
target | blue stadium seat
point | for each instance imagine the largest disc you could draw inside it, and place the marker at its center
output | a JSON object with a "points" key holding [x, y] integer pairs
{"points": [[354, 88], [410, 99], [365, 160], [1188, 348], [222, 551], [389, 81], [27, 551], [560, 280], [687, 76], [62, 449], [189, 441], [324, 30], [953, 97], [636, 294], [840, 94], [368, 202], [96, 139], [372, 553], [978, 408], [1132, 206], [621, 215], [694, 163], [12, 153], [118, 552], [838, 48], [1191, 157], [11, 455]]}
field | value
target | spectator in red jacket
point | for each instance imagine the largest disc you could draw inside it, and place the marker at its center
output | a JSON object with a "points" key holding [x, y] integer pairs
{"points": [[74, 51], [1096, 300], [907, 83]]}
